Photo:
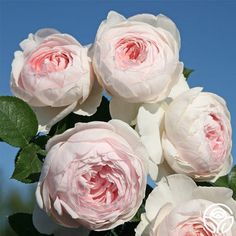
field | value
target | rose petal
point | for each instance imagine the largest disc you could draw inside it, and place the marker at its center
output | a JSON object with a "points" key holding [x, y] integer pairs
{"points": [[183, 103], [179, 88], [153, 170], [164, 211], [167, 24], [146, 18], [42, 222], [45, 32], [45, 225], [164, 170], [17, 65], [28, 44], [173, 157], [161, 21], [225, 170], [141, 229], [89, 106], [48, 116], [131, 136], [173, 189], [113, 18], [122, 110], [149, 120], [216, 195]]}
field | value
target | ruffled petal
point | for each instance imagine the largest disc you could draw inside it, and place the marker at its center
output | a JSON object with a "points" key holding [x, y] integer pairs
{"points": [[164, 170], [179, 88], [167, 24], [17, 65], [225, 170], [149, 120], [89, 106], [173, 189], [161, 21], [41, 34], [113, 18]]}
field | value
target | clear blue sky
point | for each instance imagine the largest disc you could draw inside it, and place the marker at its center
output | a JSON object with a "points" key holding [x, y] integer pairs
{"points": [[207, 30]]}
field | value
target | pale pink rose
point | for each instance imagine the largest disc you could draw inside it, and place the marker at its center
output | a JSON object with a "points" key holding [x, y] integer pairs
{"points": [[197, 137], [177, 206], [53, 74], [136, 60], [94, 175]]}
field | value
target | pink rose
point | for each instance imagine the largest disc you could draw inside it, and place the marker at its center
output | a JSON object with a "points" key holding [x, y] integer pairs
{"points": [[137, 59], [197, 135], [94, 175], [177, 206], [53, 74]]}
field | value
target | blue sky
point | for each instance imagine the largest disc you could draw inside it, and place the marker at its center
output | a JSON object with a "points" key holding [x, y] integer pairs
{"points": [[207, 30]]}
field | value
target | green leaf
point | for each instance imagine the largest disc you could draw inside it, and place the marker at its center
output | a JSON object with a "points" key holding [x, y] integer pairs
{"points": [[28, 164], [228, 181], [137, 216], [102, 114], [22, 224], [232, 181], [41, 141], [204, 184], [68, 122], [18, 123], [125, 229], [187, 72], [222, 182]]}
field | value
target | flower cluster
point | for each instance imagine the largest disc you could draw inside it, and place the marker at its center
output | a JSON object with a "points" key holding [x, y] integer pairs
{"points": [[95, 174]]}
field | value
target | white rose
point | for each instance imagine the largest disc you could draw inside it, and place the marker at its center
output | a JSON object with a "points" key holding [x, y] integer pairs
{"points": [[177, 207]]}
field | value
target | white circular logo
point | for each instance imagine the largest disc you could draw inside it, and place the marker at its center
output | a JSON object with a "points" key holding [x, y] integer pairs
{"points": [[218, 218]]}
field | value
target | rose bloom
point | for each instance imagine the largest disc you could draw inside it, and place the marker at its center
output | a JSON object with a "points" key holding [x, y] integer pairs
{"points": [[137, 59], [94, 175], [177, 206], [53, 74], [197, 135]]}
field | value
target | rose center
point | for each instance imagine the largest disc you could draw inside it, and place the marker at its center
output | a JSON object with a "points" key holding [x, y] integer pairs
{"points": [[49, 62], [194, 230], [130, 52], [214, 132], [102, 189]]}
